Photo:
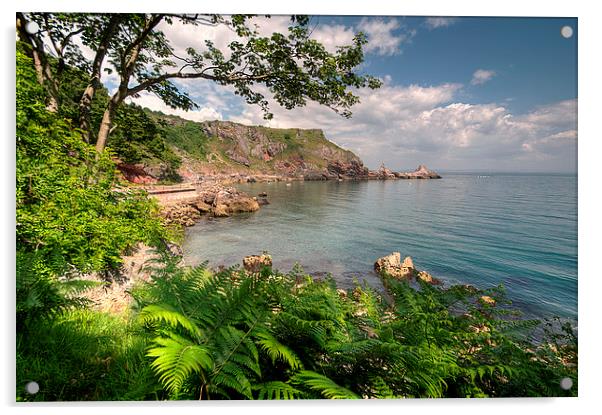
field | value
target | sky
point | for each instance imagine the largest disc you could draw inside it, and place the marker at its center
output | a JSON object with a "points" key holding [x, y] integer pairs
{"points": [[458, 94]]}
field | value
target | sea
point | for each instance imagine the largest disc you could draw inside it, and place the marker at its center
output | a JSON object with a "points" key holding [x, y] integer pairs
{"points": [[519, 230]]}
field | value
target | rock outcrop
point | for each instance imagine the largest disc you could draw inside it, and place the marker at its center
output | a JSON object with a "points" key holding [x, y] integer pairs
{"points": [[135, 173], [422, 172], [230, 200], [255, 263], [392, 266], [353, 169], [182, 214], [215, 200]]}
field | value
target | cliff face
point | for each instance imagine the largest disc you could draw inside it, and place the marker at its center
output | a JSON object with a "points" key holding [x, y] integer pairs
{"points": [[224, 147]]}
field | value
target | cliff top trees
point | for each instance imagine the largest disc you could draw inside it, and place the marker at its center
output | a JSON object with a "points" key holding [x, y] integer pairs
{"points": [[293, 67]]}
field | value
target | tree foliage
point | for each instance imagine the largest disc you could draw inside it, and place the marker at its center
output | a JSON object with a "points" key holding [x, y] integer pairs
{"points": [[72, 217], [292, 66]]}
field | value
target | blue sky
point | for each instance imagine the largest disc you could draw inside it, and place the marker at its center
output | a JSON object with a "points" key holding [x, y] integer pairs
{"points": [[534, 64], [496, 94]]}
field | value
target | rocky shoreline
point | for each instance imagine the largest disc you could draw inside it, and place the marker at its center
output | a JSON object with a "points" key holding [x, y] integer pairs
{"points": [[185, 204], [335, 171], [212, 199], [113, 294]]}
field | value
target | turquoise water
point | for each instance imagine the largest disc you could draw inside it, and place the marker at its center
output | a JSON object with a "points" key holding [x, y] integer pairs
{"points": [[520, 230]]}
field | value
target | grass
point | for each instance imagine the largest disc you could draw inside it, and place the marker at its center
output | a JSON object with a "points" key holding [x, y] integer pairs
{"points": [[85, 355]]}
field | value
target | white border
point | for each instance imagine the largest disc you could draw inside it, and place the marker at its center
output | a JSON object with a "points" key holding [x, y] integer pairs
{"points": [[589, 200]]}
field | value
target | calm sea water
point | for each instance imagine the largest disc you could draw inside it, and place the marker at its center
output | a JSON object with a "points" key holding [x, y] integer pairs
{"points": [[519, 230]]}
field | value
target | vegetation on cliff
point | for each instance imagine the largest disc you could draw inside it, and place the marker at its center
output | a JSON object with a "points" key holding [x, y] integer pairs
{"points": [[226, 147]]}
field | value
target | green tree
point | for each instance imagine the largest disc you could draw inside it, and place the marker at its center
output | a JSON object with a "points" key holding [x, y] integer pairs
{"points": [[72, 217], [294, 67]]}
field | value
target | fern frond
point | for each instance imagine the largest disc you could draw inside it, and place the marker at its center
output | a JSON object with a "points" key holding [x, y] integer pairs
{"points": [[278, 351], [70, 288], [163, 313], [277, 390], [237, 360], [323, 385], [233, 376], [176, 358]]}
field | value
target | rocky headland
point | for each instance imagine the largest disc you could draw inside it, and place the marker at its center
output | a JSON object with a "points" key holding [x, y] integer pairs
{"points": [[232, 152]]}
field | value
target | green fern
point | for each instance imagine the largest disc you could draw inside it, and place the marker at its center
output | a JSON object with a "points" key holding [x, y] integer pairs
{"points": [[176, 358], [164, 313], [277, 390], [323, 385], [278, 351]]}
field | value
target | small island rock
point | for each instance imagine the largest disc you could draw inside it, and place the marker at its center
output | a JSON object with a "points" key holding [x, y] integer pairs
{"points": [[255, 263], [391, 265]]}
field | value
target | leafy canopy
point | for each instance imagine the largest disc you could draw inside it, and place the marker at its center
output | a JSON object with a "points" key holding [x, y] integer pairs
{"points": [[291, 66], [72, 216]]}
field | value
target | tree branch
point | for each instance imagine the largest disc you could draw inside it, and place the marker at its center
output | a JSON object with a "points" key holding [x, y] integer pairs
{"points": [[196, 75]]}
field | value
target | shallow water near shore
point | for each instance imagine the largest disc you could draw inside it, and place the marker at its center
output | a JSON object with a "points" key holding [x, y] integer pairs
{"points": [[519, 230]]}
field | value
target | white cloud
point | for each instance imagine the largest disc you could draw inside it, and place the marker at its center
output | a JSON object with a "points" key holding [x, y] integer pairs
{"points": [[407, 125], [332, 36], [480, 76], [384, 36], [156, 104], [437, 22]]}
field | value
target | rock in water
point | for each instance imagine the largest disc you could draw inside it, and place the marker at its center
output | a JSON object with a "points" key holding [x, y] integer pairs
{"points": [[391, 265], [422, 172], [220, 211], [255, 263], [407, 262], [229, 201], [428, 278]]}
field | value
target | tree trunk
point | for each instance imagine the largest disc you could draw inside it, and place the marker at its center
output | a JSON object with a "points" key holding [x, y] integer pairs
{"points": [[85, 103], [85, 107], [42, 67], [105, 126]]}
